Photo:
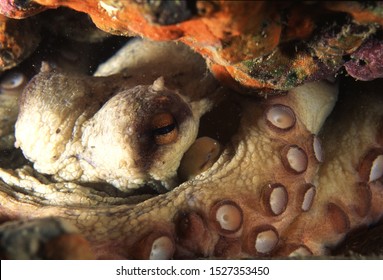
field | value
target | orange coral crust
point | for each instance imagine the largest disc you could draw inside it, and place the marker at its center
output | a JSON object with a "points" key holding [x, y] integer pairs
{"points": [[239, 35]]}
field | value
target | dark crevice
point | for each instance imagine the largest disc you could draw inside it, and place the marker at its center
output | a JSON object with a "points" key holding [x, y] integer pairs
{"points": [[222, 122], [166, 12]]}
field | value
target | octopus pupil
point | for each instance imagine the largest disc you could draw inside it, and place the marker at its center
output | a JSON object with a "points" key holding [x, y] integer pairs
{"points": [[164, 130]]}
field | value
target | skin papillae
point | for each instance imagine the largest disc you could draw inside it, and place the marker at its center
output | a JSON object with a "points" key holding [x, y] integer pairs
{"points": [[270, 193], [127, 130], [302, 170], [248, 44]]}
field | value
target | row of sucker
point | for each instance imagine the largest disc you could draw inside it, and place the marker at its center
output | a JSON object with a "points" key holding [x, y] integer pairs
{"points": [[281, 118], [287, 211], [227, 217], [291, 211], [294, 191], [264, 239], [349, 181], [295, 209]]}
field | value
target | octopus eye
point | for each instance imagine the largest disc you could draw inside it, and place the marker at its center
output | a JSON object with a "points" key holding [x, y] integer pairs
{"points": [[164, 128], [12, 81]]}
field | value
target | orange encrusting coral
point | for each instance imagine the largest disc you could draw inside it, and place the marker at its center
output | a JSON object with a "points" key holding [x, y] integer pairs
{"points": [[242, 36]]}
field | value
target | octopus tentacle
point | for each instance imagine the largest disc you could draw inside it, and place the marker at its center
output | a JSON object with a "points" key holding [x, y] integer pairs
{"points": [[256, 214], [352, 168], [239, 224], [293, 180]]}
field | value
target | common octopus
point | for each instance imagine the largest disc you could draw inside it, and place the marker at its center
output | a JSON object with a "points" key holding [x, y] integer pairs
{"points": [[125, 164], [269, 192]]}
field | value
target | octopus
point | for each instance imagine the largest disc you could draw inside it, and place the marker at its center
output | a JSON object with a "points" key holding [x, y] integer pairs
{"points": [[160, 155], [294, 178]]}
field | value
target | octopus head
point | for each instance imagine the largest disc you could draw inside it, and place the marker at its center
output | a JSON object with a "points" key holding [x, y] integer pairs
{"points": [[145, 129], [120, 130]]}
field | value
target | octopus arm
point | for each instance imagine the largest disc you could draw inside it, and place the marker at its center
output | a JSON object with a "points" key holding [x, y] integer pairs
{"points": [[349, 191]]}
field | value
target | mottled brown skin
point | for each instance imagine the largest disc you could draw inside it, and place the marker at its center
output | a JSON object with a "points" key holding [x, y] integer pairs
{"points": [[274, 191], [103, 129]]}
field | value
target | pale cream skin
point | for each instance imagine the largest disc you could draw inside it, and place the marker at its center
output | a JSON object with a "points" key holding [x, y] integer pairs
{"points": [[100, 129], [294, 179]]}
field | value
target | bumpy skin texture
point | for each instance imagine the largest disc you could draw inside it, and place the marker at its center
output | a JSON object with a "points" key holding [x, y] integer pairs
{"points": [[274, 191], [103, 129]]}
